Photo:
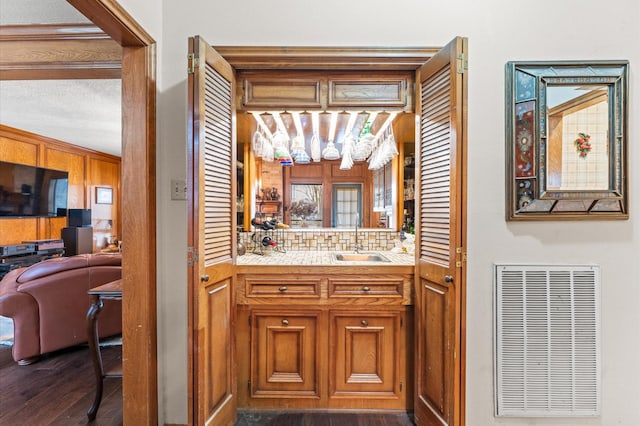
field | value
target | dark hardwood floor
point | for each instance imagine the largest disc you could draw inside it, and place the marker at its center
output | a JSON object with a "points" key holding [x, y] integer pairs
{"points": [[322, 419], [58, 389]]}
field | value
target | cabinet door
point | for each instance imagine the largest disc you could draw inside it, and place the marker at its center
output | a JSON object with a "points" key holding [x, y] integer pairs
{"points": [[365, 358], [284, 354]]}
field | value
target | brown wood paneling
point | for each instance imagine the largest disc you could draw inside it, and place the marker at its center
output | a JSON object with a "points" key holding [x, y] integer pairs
{"points": [[76, 164], [16, 150], [105, 218], [24, 147]]}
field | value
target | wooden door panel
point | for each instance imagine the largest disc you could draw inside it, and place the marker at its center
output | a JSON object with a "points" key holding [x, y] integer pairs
{"points": [[284, 354], [219, 371], [365, 357], [211, 203], [434, 381], [440, 237]]}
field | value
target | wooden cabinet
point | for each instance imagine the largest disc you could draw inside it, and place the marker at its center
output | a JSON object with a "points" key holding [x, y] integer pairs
{"points": [[284, 354], [333, 339], [365, 356], [313, 90]]}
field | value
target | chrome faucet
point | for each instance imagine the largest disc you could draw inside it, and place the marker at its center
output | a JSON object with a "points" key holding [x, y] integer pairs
{"points": [[357, 247]]}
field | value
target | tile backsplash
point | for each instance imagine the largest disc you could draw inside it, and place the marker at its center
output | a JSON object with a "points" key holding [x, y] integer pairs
{"points": [[324, 239]]}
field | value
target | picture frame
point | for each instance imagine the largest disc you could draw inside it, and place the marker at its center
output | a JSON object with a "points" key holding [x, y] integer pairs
{"points": [[104, 195]]}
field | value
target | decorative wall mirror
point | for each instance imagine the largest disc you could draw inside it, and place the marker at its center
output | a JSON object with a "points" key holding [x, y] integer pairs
{"points": [[566, 140]]}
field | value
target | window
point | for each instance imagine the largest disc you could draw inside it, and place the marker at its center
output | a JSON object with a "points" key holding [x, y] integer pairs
{"points": [[347, 205]]}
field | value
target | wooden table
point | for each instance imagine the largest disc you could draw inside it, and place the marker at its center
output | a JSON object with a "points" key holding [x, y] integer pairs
{"points": [[109, 291]]}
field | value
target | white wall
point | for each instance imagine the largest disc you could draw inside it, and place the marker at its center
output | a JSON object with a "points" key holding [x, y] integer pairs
{"points": [[498, 31]]}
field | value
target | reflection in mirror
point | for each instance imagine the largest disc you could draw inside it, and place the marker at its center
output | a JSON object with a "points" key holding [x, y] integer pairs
{"points": [[578, 133], [306, 206], [566, 140], [339, 192]]}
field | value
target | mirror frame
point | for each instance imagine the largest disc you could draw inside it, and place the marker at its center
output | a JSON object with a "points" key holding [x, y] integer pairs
{"points": [[527, 197]]}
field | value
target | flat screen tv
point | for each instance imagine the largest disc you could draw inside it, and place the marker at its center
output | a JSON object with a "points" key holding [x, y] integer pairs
{"points": [[28, 191]]}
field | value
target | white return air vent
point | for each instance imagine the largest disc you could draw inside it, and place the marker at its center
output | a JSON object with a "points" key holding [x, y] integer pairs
{"points": [[547, 340]]}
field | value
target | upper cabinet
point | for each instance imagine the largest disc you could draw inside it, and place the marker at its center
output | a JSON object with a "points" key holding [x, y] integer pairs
{"points": [[320, 91]]}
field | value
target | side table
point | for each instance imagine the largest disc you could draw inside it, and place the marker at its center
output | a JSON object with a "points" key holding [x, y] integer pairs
{"points": [[97, 295]]}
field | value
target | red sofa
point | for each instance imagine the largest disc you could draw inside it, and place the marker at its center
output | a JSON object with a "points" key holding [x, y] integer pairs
{"points": [[48, 303]]}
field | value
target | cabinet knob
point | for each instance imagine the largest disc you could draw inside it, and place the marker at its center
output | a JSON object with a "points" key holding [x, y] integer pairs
{"points": [[282, 289], [448, 278], [285, 322], [204, 278], [365, 288], [364, 323]]}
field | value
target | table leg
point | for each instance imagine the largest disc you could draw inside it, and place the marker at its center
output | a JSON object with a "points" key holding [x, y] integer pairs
{"points": [[94, 349]]}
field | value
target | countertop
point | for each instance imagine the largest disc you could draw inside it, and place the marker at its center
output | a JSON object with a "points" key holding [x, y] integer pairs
{"points": [[319, 258]]}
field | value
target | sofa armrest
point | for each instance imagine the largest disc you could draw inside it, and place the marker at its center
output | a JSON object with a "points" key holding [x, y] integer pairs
{"points": [[23, 310]]}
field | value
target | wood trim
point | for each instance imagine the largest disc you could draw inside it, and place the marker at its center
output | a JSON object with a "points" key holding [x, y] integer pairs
{"points": [[140, 393], [52, 32], [140, 381], [66, 51], [114, 20], [321, 58]]}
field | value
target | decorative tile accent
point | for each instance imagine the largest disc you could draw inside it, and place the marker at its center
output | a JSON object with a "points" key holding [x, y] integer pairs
{"points": [[326, 240]]}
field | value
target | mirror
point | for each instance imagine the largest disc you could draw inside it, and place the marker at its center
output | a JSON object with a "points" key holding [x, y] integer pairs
{"points": [[324, 194], [566, 140]]}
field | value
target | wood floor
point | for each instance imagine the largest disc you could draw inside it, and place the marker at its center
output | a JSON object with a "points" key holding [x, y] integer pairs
{"points": [[59, 389]]}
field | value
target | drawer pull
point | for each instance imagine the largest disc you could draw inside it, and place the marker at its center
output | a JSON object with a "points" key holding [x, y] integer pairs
{"points": [[285, 322], [365, 288], [364, 323], [282, 289]]}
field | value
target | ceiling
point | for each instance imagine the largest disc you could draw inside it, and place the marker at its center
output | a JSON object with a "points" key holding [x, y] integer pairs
{"points": [[81, 112]]}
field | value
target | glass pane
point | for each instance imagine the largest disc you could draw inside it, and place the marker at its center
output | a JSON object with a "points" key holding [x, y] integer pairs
{"points": [[346, 205], [306, 206], [578, 129]]}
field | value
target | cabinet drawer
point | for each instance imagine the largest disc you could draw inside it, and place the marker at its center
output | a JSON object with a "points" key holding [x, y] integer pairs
{"points": [[374, 287], [262, 287]]}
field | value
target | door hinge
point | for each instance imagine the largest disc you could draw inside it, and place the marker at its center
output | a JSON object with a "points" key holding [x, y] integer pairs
{"points": [[463, 257], [192, 63], [192, 256], [401, 322], [400, 386], [461, 63], [249, 384], [249, 318]]}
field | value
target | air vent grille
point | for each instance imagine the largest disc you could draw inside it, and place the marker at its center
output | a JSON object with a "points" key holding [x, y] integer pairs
{"points": [[547, 340]]}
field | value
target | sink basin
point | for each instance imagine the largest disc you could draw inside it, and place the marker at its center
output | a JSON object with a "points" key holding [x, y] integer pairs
{"points": [[360, 257]]}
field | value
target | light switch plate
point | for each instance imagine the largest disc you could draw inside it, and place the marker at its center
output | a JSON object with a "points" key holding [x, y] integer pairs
{"points": [[178, 189]]}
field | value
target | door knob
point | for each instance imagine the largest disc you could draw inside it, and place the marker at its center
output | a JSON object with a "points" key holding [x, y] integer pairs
{"points": [[448, 278], [364, 323], [204, 278], [285, 322]]}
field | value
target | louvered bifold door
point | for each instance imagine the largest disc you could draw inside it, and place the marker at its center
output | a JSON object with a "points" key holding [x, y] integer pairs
{"points": [[212, 177], [440, 237]]}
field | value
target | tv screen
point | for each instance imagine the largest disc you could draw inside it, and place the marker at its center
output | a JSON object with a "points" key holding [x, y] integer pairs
{"points": [[28, 191]]}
